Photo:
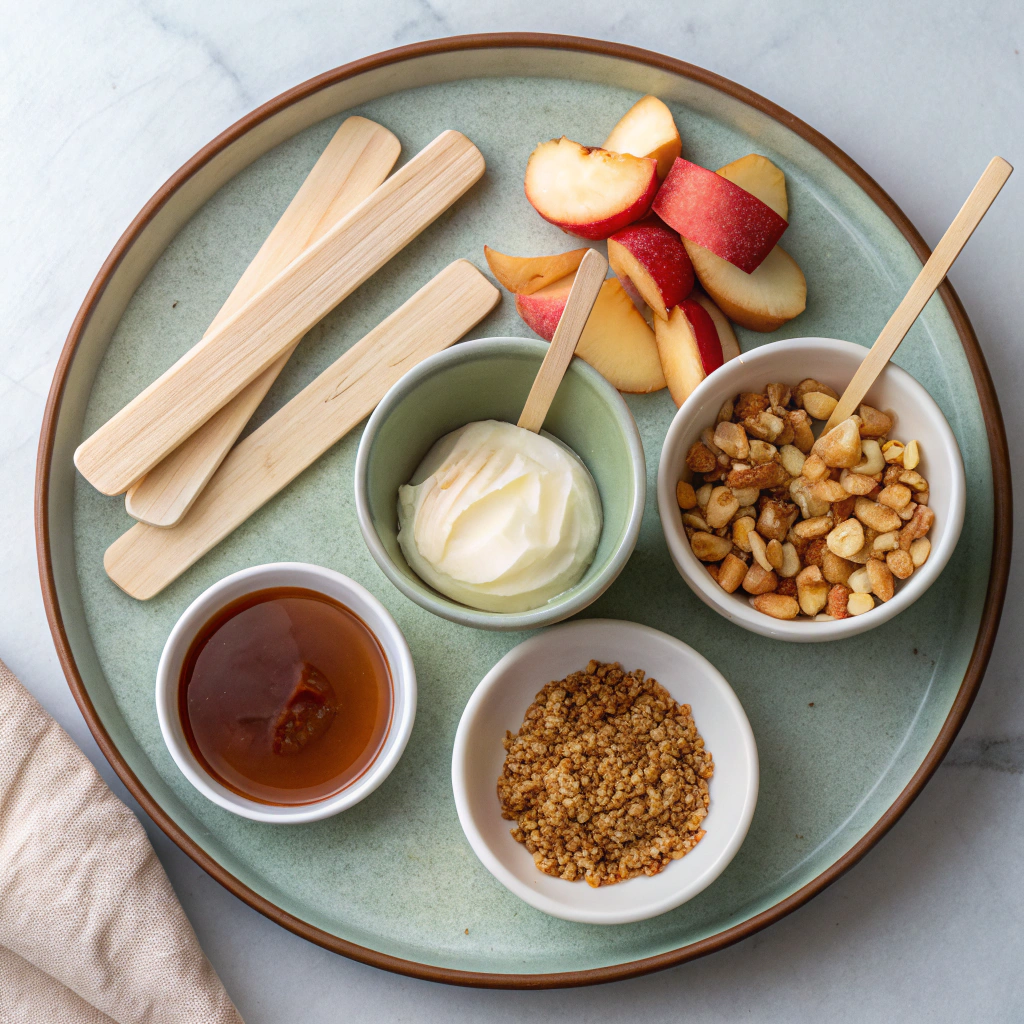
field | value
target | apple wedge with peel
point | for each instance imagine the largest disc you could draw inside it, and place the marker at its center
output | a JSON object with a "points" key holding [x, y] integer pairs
{"points": [[651, 258], [588, 191], [542, 310], [714, 212], [524, 275], [647, 129], [726, 335], [689, 348], [757, 175]]}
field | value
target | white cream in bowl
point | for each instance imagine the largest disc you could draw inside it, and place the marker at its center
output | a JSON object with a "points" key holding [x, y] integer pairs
{"points": [[499, 518]]}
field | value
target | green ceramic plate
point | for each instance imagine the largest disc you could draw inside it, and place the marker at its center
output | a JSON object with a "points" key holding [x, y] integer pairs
{"points": [[847, 732]]}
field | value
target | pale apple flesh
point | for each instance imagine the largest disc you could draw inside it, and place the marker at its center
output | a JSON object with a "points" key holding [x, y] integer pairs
{"points": [[653, 259], [726, 335], [588, 191], [757, 175], [647, 129], [680, 355], [713, 212], [524, 275]]}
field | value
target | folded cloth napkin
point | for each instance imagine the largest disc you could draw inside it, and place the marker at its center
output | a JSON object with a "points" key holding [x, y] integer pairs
{"points": [[90, 928]]}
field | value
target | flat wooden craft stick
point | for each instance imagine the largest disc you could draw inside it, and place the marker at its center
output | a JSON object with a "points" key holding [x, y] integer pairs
{"points": [[209, 375], [145, 559], [357, 159]]}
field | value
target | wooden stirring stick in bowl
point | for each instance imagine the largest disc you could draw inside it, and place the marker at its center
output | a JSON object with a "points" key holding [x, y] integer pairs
{"points": [[357, 159], [932, 274], [582, 296]]}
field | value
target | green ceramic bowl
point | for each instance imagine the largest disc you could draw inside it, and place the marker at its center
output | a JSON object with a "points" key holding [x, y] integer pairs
{"points": [[490, 379]]}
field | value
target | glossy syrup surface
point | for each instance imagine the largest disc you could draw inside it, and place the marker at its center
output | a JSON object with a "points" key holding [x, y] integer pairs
{"points": [[285, 696]]}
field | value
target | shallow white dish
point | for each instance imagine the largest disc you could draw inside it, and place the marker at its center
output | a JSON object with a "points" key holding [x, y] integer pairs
{"points": [[834, 363], [343, 590], [499, 704]]}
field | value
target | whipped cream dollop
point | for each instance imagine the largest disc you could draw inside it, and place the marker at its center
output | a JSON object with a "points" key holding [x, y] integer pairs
{"points": [[499, 518]]}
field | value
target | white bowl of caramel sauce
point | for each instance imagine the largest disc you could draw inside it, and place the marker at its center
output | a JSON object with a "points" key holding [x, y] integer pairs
{"points": [[286, 693]]}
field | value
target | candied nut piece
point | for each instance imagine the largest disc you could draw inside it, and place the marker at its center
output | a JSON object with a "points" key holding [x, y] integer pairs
{"points": [[732, 439], [892, 452], [858, 604], [773, 550], [814, 468], [815, 551], [722, 505], [765, 425], [741, 530], [874, 423], [810, 384], [809, 505], [840, 447], [803, 435], [713, 571], [820, 406], [787, 586], [725, 413], [759, 550], [779, 396], [912, 479], [704, 495], [911, 455], [827, 491], [816, 526], [762, 451], [790, 562], [843, 509], [896, 496], [695, 521], [886, 541], [792, 459], [686, 496], [709, 548], [811, 590], [882, 584], [834, 568], [857, 483], [901, 563], [700, 458], [892, 475], [878, 517], [920, 549], [907, 512], [746, 495], [749, 403], [919, 525], [859, 581], [765, 476], [731, 573], [778, 606], [871, 461], [759, 580], [776, 518], [838, 599], [846, 539]]}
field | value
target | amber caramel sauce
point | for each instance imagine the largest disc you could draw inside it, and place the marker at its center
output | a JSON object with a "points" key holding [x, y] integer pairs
{"points": [[285, 696]]}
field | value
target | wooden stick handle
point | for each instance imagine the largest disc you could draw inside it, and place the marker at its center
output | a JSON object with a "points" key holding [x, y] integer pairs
{"points": [[357, 159], [582, 296], [932, 274]]}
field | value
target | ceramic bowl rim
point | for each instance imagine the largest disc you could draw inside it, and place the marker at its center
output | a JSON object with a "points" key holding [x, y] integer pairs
{"points": [[584, 593], [803, 630], [403, 676], [471, 721]]}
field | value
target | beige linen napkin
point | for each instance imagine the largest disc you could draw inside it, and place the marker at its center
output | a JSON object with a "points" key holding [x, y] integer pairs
{"points": [[90, 928]]}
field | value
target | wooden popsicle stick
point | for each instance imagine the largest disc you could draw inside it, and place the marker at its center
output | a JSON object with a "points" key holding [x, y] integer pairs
{"points": [[357, 159], [931, 276], [210, 374], [582, 296], [145, 559]]}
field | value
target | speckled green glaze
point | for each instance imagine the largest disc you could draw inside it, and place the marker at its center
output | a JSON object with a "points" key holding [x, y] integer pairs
{"points": [[395, 873]]}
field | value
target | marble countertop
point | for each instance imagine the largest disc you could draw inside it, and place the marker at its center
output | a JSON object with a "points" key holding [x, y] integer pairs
{"points": [[101, 102]]}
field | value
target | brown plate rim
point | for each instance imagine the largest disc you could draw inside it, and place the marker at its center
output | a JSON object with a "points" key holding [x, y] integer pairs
{"points": [[1003, 517]]}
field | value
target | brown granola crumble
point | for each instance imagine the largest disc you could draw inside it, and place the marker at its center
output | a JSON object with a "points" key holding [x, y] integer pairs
{"points": [[606, 778]]}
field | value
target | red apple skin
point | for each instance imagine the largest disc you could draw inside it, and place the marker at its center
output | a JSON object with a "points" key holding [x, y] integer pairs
{"points": [[542, 310], [706, 334], [659, 251], [711, 211]]}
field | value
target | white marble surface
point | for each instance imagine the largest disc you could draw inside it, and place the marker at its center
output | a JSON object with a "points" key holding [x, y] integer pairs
{"points": [[100, 102]]}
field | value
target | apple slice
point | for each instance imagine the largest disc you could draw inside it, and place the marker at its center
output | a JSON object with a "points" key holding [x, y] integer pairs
{"points": [[524, 275], [647, 129], [709, 210], [726, 335], [705, 334], [618, 343], [760, 177], [652, 259], [762, 301], [542, 310], [680, 354], [588, 191]]}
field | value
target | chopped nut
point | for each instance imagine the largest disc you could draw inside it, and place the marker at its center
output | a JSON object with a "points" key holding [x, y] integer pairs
{"points": [[922, 497], [840, 447], [721, 506], [892, 451], [713, 571], [901, 563], [759, 550], [747, 495], [790, 561], [812, 591], [886, 542], [725, 413], [907, 512], [882, 584], [912, 479], [827, 491], [696, 521], [817, 526], [731, 573], [709, 548], [776, 518], [920, 549], [819, 405], [787, 435], [732, 439], [834, 568], [892, 475], [859, 581], [874, 423], [792, 459], [871, 461], [765, 425], [750, 403], [741, 530], [822, 617], [911, 455], [920, 523], [809, 505], [896, 496], [810, 384], [843, 509], [803, 435], [700, 458], [878, 517], [685, 495], [779, 396], [814, 468], [838, 599], [778, 606], [767, 475], [787, 587], [846, 539], [762, 451], [857, 483], [703, 495], [773, 552], [758, 580], [858, 604], [815, 551], [745, 512]]}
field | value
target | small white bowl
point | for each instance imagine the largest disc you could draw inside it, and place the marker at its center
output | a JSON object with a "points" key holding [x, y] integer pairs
{"points": [[499, 704], [833, 363], [341, 589]]}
